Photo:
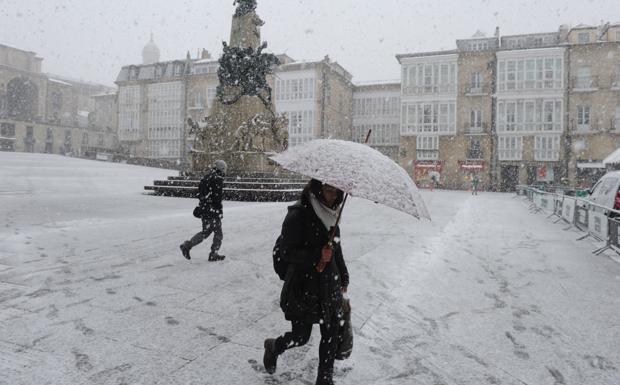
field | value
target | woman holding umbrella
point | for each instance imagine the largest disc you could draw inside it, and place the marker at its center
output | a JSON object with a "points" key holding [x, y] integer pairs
{"points": [[316, 278]]}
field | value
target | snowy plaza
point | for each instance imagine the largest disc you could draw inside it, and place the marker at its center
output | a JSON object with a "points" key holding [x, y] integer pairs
{"points": [[94, 290]]}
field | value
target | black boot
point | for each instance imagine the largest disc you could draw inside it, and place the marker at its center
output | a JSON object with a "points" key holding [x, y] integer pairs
{"points": [[270, 358], [185, 250], [325, 377], [214, 256]]}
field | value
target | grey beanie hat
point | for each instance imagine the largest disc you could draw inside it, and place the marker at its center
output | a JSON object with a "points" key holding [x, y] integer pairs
{"points": [[221, 165]]}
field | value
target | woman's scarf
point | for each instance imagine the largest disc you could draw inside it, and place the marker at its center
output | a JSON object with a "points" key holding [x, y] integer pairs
{"points": [[326, 215]]}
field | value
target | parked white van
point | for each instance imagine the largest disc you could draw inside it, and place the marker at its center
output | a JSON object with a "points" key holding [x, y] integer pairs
{"points": [[605, 195], [606, 191]]}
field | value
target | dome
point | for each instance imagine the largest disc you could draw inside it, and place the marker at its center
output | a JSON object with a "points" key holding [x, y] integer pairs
{"points": [[150, 53]]}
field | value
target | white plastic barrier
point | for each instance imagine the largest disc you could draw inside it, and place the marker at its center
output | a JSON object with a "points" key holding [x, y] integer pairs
{"points": [[597, 224], [568, 209], [537, 199], [581, 215], [546, 201], [558, 204]]}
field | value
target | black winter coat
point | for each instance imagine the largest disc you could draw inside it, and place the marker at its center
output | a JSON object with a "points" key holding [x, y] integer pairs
{"points": [[308, 295], [210, 191]]}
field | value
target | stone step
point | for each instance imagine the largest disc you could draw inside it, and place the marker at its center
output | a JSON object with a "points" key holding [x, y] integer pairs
{"points": [[231, 194], [265, 180], [235, 183]]}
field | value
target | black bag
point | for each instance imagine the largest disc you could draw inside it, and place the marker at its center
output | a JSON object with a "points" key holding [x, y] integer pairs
{"points": [[279, 264], [345, 345], [198, 212]]}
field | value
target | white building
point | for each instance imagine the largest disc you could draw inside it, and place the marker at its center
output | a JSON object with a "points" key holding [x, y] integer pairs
{"points": [[376, 107], [530, 106], [428, 99], [316, 97], [295, 96]]}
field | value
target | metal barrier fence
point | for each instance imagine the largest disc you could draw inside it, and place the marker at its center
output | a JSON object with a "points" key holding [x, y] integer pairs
{"points": [[596, 221]]}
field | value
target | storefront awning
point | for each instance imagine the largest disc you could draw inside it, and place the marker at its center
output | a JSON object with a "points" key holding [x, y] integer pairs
{"points": [[426, 165], [584, 165], [472, 166], [613, 158]]}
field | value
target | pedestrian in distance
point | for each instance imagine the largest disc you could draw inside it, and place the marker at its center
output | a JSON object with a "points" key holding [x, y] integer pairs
{"points": [[474, 185], [210, 191], [316, 277]]}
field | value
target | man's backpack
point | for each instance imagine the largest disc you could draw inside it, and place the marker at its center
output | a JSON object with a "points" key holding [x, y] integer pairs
{"points": [[279, 264]]}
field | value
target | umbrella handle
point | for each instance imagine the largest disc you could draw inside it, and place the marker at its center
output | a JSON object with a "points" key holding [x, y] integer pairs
{"points": [[321, 266]]}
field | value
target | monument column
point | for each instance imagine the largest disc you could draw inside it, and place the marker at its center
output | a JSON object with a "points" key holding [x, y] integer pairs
{"points": [[243, 125]]}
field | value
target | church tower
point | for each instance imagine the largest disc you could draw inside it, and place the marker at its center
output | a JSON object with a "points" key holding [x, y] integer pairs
{"points": [[150, 53]]}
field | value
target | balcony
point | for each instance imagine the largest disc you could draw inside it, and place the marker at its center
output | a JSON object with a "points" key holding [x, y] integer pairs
{"points": [[585, 128], [196, 107], [585, 84], [468, 129], [474, 155], [427, 154], [614, 125], [547, 155], [478, 90], [430, 89]]}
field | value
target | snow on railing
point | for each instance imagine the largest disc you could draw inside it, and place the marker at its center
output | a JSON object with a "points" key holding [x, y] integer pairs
{"points": [[597, 221]]}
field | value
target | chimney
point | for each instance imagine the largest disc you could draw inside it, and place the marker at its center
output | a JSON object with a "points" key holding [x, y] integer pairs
{"points": [[496, 32], [563, 33]]}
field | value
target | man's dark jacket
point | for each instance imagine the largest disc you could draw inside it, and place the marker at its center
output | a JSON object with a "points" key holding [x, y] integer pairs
{"points": [[210, 191]]}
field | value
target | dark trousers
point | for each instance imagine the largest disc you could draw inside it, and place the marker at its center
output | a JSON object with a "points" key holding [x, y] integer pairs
{"points": [[299, 336], [210, 224]]}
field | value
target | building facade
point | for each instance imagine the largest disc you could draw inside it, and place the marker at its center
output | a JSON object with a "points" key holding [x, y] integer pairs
{"points": [[428, 114], [152, 108], [593, 100], [530, 124], [527, 108], [47, 113], [474, 142]]}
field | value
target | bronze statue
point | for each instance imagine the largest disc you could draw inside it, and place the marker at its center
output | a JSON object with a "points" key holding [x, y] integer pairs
{"points": [[244, 6], [244, 71]]}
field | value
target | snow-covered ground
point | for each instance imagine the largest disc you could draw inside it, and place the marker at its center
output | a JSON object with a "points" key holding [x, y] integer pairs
{"points": [[93, 289]]}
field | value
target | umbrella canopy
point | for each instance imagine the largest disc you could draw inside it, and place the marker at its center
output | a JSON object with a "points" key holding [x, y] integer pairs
{"points": [[434, 174], [358, 170]]}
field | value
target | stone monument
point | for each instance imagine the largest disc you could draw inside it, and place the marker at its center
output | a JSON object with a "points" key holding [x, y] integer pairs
{"points": [[242, 126]]}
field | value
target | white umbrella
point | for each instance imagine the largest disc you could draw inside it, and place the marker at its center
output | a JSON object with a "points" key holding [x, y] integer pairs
{"points": [[358, 170]]}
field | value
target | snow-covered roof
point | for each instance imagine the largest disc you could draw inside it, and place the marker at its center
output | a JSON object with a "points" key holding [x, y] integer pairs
{"points": [[584, 26], [104, 94], [423, 54], [585, 165], [378, 83], [612, 158], [203, 61], [59, 82]]}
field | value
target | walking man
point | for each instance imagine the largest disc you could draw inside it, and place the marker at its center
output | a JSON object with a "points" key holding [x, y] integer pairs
{"points": [[474, 185], [211, 213]]}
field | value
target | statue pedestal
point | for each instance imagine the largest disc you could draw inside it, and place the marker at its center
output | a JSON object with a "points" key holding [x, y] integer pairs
{"points": [[240, 163], [242, 125]]}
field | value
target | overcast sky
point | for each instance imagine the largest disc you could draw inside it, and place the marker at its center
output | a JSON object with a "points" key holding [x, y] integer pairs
{"points": [[92, 39]]}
